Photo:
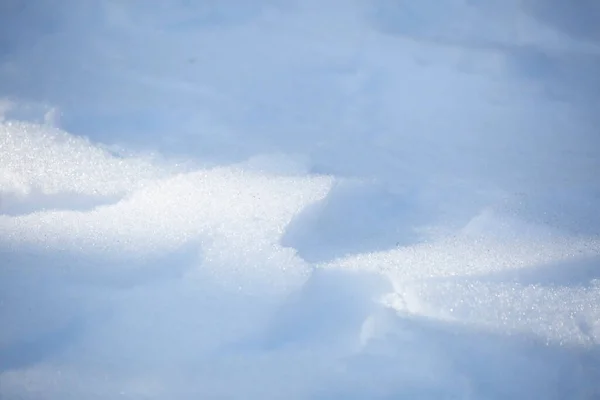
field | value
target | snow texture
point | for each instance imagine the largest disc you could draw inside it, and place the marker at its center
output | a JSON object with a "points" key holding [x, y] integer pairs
{"points": [[357, 199]]}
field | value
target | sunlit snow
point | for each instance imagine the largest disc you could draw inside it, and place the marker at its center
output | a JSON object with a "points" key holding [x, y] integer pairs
{"points": [[359, 199]]}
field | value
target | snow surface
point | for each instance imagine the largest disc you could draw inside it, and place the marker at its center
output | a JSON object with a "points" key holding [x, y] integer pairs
{"points": [[340, 199]]}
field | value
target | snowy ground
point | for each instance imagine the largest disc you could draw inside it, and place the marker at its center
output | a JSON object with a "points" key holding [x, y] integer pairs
{"points": [[299, 199]]}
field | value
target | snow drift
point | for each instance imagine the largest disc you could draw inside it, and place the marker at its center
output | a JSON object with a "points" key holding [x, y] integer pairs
{"points": [[357, 199]]}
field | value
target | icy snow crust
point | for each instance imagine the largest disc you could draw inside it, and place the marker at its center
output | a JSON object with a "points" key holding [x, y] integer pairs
{"points": [[339, 200]]}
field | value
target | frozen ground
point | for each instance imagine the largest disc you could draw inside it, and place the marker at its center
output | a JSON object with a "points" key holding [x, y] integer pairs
{"points": [[286, 199]]}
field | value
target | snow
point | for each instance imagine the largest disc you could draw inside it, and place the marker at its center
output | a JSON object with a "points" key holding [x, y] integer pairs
{"points": [[359, 199]]}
